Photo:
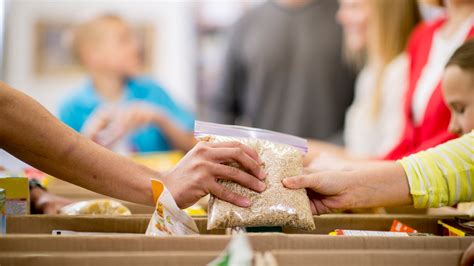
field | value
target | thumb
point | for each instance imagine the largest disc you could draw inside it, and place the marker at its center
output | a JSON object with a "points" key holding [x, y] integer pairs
{"points": [[302, 181]]}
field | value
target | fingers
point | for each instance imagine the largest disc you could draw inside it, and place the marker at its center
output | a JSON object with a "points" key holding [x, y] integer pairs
{"points": [[233, 144], [240, 156], [225, 194], [313, 208], [302, 181], [234, 174], [94, 126]]}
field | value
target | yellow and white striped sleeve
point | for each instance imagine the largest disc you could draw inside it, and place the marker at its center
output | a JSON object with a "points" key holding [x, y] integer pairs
{"points": [[442, 176]]}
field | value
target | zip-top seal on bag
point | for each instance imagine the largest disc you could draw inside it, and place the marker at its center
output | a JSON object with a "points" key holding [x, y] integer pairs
{"points": [[282, 157]]}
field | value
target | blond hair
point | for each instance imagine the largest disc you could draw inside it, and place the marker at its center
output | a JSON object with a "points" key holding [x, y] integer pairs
{"points": [[390, 27], [89, 32]]}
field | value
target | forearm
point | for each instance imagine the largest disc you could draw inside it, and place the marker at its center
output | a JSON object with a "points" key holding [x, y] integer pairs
{"points": [[32, 134], [179, 138], [382, 185], [316, 147]]}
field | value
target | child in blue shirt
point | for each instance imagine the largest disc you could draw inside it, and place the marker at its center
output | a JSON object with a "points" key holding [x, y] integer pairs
{"points": [[116, 107]]}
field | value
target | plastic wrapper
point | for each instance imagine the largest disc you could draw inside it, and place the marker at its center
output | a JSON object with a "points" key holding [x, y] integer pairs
{"points": [[238, 252], [168, 219], [99, 206], [277, 206]]}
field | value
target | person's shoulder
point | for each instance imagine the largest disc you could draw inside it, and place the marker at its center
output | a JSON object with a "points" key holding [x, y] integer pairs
{"points": [[421, 36], [144, 84], [250, 16], [425, 28], [79, 96], [145, 87]]}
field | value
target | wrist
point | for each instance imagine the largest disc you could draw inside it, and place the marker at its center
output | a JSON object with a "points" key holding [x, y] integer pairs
{"points": [[383, 185], [159, 118], [37, 200]]}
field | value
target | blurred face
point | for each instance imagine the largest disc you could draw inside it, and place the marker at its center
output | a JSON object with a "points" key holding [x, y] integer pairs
{"points": [[116, 49], [458, 89], [353, 15]]}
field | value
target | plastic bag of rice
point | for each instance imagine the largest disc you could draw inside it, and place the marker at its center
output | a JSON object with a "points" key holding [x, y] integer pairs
{"points": [[277, 206]]}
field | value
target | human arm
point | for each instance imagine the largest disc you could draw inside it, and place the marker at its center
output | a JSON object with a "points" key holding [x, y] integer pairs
{"points": [[318, 147], [132, 117], [442, 176], [44, 202], [335, 191], [434, 178], [32, 134]]}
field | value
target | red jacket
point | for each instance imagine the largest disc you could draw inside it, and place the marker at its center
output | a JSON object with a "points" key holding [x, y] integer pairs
{"points": [[433, 129]]}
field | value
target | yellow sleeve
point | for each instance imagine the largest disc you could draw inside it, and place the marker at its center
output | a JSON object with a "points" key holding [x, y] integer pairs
{"points": [[442, 176]]}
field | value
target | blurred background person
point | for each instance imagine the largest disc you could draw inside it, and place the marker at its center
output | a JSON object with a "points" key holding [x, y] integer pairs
{"points": [[426, 115], [374, 122], [431, 9], [437, 177], [284, 68], [117, 107], [376, 33]]}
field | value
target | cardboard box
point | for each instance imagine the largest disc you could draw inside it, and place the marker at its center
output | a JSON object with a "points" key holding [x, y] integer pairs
{"points": [[17, 194], [81, 254], [259, 242], [44, 224], [109, 258], [281, 258], [367, 257]]}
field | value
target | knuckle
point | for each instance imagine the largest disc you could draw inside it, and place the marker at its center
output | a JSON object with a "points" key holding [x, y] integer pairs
{"points": [[233, 171], [238, 152], [201, 148]]}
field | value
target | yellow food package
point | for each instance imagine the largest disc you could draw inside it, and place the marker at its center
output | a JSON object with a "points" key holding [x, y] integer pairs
{"points": [[168, 218], [17, 193]]}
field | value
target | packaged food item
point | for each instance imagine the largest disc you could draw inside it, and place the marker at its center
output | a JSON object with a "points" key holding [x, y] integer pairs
{"points": [[398, 226], [195, 210], [238, 252], [341, 232], [458, 227], [17, 193], [277, 206], [98, 206], [168, 218], [3, 213]]}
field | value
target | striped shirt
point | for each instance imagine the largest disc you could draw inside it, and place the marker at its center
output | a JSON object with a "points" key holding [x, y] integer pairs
{"points": [[442, 176]]}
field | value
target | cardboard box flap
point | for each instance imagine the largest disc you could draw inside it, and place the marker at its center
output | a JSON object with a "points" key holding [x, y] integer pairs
{"points": [[259, 242], [109, 258], [367, 257], [282, 257], [44, 224]]}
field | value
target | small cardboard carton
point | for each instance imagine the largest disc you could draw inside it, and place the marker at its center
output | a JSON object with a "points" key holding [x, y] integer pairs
{"points": [[17, 195]]}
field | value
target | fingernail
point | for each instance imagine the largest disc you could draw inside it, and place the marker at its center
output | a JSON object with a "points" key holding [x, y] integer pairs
{"points": [[262, 186], [262, 174]]}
